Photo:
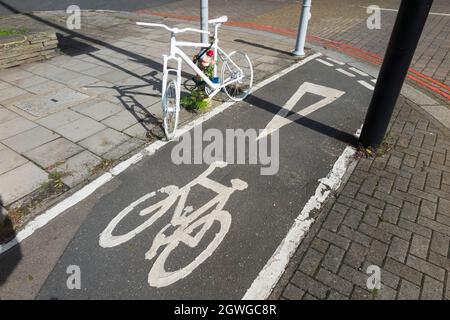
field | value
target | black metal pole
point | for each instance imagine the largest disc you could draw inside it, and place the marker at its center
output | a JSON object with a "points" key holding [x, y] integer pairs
{"points": [[408, 28]]}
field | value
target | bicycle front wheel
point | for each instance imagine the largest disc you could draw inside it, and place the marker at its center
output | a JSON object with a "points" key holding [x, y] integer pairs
{"points": [[238, 71], [171, 108], [159, 277]]}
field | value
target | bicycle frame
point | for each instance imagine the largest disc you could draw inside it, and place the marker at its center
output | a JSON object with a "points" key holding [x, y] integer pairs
{"points": [[176, 53]]}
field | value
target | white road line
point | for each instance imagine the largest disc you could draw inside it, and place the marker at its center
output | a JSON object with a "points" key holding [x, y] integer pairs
{"points": [[336, 61], [359, 72], [325, 63], [351, 75], [374, 80], [269, 276], [431, 13], [367, 85], [87, 190], [283, 118]]}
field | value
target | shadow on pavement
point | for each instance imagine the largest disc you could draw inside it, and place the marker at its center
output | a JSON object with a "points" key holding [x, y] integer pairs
{"points": [[305, 121], [10, 259], [257, 45], [73, 35]]}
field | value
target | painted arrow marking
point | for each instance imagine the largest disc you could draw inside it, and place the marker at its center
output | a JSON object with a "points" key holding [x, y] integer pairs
{"points": [[283, 117]]}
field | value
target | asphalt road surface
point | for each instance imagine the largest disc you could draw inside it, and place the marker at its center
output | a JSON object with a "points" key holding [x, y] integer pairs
{"points": [[110, 242]]}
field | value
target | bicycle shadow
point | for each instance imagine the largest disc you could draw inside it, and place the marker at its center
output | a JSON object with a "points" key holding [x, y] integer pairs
{"points": [[131, 96], [11, 258]]}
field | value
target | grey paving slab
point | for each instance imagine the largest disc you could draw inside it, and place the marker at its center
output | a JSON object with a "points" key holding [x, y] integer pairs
{"points": [[99, 88], [43, 69], [11, 92], [120, 121], [98, 109], [96, 71], [123, 149], [79, 65], [14, 74], [30, 139], [441, 113], [104, 141], [41, 106], [53, 152], [10, 160], [45, 87], [147, 100], [113, 76], [81, 81], [15, 126], [80, 129], [21, 181], [139, 130], [66, 76], [59, 119], [78, 167], [4, 85], [6, 115], [27, 82]]}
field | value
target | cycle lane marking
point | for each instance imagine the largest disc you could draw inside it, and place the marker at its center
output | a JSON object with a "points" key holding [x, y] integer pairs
{"points": [[367, 85], [283, 118], [43, 219], [158, 276]]}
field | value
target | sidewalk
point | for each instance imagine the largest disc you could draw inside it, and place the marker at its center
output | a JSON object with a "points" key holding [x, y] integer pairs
{"points": [[68, 119], [393, 212]]}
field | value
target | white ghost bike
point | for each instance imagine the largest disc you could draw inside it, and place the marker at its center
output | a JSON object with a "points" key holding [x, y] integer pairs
{"points": [[236, 79]]}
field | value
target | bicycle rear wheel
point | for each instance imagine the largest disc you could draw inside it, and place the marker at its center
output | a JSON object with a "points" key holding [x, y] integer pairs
{"points": [[170, 102], [239, 70]]}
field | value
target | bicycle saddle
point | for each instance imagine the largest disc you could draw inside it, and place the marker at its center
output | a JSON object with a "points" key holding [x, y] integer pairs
{"points": [[221, 19]]}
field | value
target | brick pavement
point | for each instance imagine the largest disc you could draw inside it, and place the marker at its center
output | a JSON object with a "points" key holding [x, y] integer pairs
{"points": [[392, 212]]}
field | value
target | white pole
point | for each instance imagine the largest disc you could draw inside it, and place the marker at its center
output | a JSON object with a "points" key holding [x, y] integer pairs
{"points": [[204, 20], [302, 29]]}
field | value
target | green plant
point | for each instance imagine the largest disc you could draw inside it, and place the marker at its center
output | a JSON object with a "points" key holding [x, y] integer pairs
{"points": [[54, 181], [13, 32], [209, 71], [196, 101]]}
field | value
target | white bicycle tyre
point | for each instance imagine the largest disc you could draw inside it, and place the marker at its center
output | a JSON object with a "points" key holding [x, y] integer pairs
{"points": [[225, 65], [172, 97]]}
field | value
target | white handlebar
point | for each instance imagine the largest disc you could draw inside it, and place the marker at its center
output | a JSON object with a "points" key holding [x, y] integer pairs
{"points": [[173, 30]]}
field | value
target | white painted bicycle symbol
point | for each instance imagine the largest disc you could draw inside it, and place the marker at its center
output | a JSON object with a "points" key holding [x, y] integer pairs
{"points": [[186, 221]]}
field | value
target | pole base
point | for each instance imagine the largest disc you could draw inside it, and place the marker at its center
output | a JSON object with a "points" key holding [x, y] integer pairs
{"points": [[298, 53]]}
